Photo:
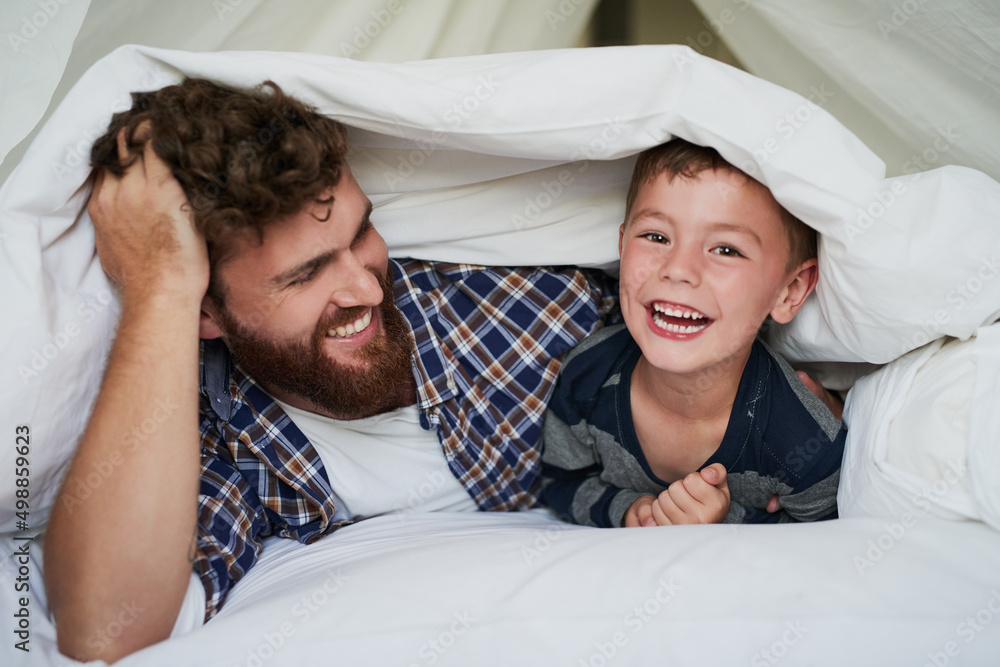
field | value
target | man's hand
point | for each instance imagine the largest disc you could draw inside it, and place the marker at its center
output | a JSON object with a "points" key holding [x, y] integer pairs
{"points": [[144, 233], [701, 497], [833, 403], [128, 539]]}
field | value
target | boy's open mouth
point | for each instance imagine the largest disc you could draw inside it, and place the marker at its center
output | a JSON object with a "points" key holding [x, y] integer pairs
{"points": [[678, 319]]}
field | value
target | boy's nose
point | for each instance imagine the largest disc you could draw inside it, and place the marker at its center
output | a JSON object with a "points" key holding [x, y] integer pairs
{"points": [[682, 265]]}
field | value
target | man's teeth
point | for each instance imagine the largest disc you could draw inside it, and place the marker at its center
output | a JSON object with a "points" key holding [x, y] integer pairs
{"points": [[357, 326]]}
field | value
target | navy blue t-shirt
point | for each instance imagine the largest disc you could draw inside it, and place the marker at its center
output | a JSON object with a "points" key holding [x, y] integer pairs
{"points": [[781, 439]]}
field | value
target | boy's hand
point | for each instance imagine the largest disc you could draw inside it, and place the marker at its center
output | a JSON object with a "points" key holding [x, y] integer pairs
{"points": [[640, 513], [701, 497]]}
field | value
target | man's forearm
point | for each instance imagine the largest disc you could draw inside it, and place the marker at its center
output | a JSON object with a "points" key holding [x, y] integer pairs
{"points": [[126, 545]]}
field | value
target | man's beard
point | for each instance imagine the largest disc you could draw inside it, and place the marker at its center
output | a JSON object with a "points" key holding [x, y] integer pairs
{"points": [[343, 391]]}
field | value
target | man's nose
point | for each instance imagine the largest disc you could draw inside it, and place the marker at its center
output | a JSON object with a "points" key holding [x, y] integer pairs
{"points": [[356, 285]]}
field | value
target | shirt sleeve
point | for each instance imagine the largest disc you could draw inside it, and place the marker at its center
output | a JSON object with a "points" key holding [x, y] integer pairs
{"points": [[817, 501], [572, 465], [231, 521], [605, 289], [572, 484], [810, 477], [804, 444]]}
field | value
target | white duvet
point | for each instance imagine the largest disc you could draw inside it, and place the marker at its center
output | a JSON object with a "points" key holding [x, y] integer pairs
{"points": [[520, 588], [523, 159]]}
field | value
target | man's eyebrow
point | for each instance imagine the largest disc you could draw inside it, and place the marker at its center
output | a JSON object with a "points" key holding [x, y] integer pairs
{"points": [[281, 279], [365, 223], [287, 276]]}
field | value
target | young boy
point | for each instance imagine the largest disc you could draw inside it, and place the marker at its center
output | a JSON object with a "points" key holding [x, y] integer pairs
{"points": [[681, 415]]}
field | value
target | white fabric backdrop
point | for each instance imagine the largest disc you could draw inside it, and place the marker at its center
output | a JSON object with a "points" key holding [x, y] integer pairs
{"points": [[918, 81], [39, 36]]}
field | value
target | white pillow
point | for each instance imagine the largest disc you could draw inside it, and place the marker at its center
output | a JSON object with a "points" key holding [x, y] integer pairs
{"points": [[515, 158], [923, 435]]}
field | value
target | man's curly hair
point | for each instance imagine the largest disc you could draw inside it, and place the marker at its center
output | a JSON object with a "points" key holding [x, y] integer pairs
{"points": [[244, 158]]}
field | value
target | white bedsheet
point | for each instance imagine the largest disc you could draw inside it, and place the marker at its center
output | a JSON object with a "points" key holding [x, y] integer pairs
{"points": [[504, 589]]}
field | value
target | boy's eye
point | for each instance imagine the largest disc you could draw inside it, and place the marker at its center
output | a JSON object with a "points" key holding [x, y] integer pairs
{"points": [[655, 237], [727, 251]]}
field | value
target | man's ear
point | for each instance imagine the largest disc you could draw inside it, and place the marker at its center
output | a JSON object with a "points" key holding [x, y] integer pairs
{"points": [[208, 325], [800, 285]]}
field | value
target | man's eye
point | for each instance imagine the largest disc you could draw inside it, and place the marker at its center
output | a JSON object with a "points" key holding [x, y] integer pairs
{"points": [[365, 228], [305, 277], [727, 251], [655, 238]]}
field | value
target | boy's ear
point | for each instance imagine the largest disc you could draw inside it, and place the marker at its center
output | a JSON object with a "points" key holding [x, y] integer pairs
{"points": [[793, 294], [208, 325], [621, 238]]}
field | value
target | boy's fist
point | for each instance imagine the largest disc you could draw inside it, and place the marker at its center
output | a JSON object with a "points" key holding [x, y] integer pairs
{"points": [[701, 497]]}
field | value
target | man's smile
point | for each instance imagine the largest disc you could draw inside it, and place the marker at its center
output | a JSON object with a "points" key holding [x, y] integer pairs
{"points": [[351, 328]]}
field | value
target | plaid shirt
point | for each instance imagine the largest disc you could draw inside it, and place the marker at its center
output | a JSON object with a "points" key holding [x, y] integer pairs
{"points": [[488, 345]]}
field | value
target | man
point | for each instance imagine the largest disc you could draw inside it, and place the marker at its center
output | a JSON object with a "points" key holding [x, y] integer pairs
{"points": [[331, 380]]}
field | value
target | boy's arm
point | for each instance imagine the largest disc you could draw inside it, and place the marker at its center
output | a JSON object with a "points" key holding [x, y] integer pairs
{"points": [[813, 493], [812, 503], [129, 542], [572, 485]]}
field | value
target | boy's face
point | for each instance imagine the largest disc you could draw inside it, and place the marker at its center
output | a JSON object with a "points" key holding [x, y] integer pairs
{"points": [[703, 262]]}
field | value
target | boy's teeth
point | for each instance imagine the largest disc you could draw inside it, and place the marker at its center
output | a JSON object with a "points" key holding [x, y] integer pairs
{"points": [[698, 321], [676, 328], [676, 312], [357, 326]]}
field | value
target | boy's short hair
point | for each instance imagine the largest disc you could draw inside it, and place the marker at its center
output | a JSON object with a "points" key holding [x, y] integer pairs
{"points": [[681, 158]]}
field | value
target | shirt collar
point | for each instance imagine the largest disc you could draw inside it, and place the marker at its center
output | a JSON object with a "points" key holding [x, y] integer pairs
{"points": [[435, 369], [216, 373]]}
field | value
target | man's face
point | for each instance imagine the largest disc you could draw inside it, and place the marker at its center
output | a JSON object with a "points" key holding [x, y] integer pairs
{"points": [[703, 262], [310, 313]]}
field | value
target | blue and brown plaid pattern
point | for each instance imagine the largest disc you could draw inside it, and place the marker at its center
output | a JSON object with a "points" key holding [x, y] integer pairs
{"points": [[488, 343]]}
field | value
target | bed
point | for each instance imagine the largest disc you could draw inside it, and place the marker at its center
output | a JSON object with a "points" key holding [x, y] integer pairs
{"points": [[523, 158]]}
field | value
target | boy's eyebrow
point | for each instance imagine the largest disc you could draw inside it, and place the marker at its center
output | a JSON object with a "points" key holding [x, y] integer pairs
{"points": [[715, 226], [740, 229], [649, 213]]}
